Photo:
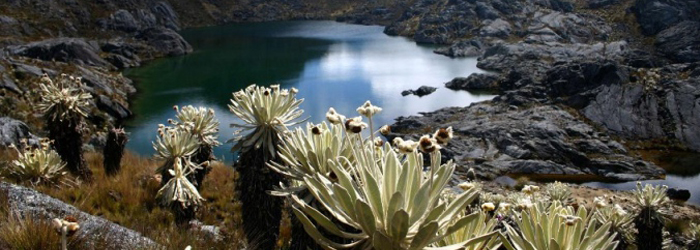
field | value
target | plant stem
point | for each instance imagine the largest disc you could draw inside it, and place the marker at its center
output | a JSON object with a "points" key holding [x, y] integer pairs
{"points": [[64, 236]]}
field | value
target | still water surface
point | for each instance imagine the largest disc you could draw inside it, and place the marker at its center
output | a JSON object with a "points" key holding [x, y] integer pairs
{"points": [[332, 64]]}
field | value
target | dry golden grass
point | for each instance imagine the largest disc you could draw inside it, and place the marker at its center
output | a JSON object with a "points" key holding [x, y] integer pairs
{"points": [[128, 199]]}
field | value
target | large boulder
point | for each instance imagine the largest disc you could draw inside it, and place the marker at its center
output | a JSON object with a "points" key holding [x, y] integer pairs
{"points": [[470, 48], [71, 50], [12, 131], [165, 41], [475, 81], [657, 15], [27, 202], [166, 16], [123, 20], [680, 43], [497, 28]]}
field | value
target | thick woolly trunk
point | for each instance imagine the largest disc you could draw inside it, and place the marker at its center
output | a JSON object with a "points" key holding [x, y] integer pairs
{"points": [[68, 142], [649, 230], [114, 150], [622, 242], [262, 212], [203, 154]]}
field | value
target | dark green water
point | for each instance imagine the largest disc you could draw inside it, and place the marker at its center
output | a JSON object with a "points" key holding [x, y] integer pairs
{"points": [[332, 64]]}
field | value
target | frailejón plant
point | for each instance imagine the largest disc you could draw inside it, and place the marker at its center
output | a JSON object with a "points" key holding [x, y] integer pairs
{"points": [[177, 146], [202, 123], [39, 165], [650, 221], [620, 223], [558, 191], [305, 152], [481, 223], [265, 113], [558, 227], [64, 105], [384, 196]]}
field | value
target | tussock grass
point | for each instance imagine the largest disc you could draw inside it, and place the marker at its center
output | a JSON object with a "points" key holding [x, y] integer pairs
{"points": [[128, 199]]}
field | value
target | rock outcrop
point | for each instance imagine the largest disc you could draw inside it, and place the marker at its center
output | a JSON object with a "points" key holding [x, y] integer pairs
{"points": [[13, 131], [475, 81], [27, 202], [496, 139], [70, 50]]}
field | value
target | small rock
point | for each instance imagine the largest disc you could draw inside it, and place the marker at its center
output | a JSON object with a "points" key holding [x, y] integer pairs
{"points": [[420, 92], [678, 194]]}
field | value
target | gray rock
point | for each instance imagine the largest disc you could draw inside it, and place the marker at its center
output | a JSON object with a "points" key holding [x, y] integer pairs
{"points": [[123, 20], [420, 92], [632, 103], [496, 28], [6, 82], [678, 194], [485, 11], [681, 43], [6, 20], [165, 41], [475, 81], [569, 27], [12, 131], [497, 139], [657, 15], [470, 48], [73, 50], [166, 16], [31, 70], [27, 202], [115, 109], [538, 56]]}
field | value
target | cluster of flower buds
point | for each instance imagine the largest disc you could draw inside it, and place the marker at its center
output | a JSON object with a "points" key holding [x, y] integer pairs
{"points": [[68, 224], [488, 207], [525, 203], [619, 210], [443, 135], [368, 110], [600, 202], [530, 189], [355, 125], [405, 147], [333, 117], [385, 130], [570, 220], [426, 144], [466, 185], [504, 207]]}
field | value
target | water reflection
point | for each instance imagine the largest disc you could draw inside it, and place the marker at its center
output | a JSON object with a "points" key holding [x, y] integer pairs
{"points": [[332, 64]]}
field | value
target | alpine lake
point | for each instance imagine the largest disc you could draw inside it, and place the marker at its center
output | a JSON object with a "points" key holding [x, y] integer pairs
{"points": [[333, 65]]}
